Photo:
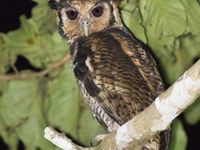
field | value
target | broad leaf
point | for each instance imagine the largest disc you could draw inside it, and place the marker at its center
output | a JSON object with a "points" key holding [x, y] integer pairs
{"points": [[178, 137], [22, 114], [192, 114]]}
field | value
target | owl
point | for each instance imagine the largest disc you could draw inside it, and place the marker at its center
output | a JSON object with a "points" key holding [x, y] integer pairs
{"points": [[116, 73]]}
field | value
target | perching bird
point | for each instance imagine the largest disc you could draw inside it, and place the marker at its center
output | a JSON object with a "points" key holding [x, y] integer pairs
{"points": [[116, 74]]}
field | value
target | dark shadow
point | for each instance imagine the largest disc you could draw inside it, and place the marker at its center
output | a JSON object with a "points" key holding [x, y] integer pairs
{"points": [[10, 10]]}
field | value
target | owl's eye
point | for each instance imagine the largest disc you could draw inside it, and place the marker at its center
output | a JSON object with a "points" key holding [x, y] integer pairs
{"points": [[72, 14], [97, 11]]}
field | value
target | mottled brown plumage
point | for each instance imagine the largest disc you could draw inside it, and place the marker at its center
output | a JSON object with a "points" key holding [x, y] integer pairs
{"points": [[116, 73]]}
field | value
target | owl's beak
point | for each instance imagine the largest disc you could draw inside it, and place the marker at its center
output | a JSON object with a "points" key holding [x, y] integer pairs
{"points": [[85, 26]]}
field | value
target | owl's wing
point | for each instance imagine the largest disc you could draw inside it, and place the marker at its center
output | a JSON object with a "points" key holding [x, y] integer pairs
{"points": [[140, 56], [111, 77]]}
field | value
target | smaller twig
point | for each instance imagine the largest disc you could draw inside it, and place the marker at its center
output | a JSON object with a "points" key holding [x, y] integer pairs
{"points": [[40, 74], [14, 68], [60, 140]]}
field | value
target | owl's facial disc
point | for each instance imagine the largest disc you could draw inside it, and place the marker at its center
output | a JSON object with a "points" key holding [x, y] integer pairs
{"points": [[95, 12], [78, 18], [85, 26]]}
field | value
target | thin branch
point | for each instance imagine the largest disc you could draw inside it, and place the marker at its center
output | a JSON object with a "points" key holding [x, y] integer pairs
{"points": [[14, 68], [60, 140], [156, 118], [40, 74]]}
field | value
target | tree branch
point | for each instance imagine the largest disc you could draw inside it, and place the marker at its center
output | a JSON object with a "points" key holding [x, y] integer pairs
{"points": [[156, 118], [60, 140], [40, 74]]}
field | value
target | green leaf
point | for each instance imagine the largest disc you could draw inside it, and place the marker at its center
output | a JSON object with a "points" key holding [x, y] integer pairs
{"points": [[40, 50], [193, 20], [178, 139], [37, 40], [163, 20], [192, 113], [6, 57], [62, 102], [132, 18], [88, 127], [167, 24], [21, 112], [8, 137], [44, 17], [186, 50]]}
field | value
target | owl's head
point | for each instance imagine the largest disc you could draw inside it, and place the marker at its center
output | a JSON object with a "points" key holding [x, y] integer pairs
{"points": [[82, 17]]}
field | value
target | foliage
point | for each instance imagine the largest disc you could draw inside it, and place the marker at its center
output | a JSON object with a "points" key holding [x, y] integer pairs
{"points": [[178, 136], [27, 106]]}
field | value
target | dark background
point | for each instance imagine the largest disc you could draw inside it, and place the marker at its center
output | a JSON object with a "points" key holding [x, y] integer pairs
{"points": [[10, 10]]}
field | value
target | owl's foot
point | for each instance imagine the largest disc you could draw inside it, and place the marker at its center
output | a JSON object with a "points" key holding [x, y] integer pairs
{"points": [[97, 139]]}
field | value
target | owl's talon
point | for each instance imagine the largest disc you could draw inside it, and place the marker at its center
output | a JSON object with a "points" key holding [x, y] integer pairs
{"points": [[97, 139]]}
